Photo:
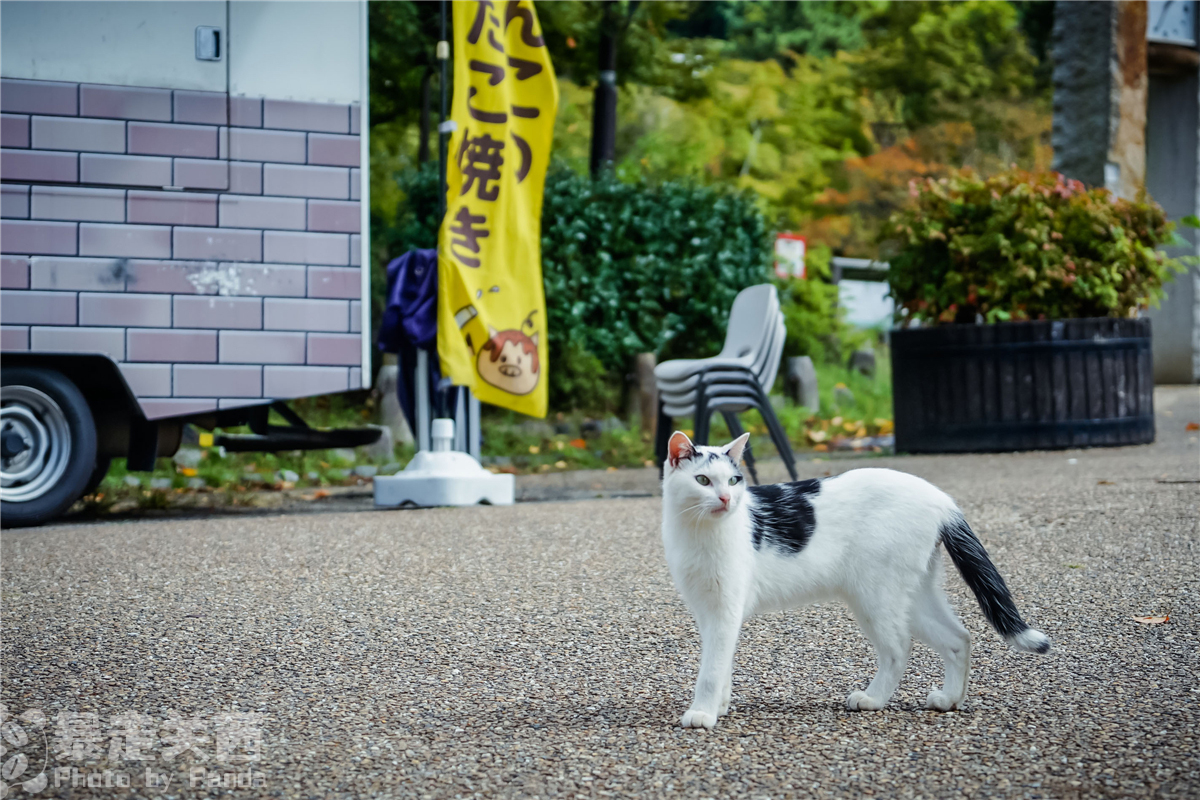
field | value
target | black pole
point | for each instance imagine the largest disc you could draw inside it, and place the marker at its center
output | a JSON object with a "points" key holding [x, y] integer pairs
{"points": [[442, 396], [604, 111]]}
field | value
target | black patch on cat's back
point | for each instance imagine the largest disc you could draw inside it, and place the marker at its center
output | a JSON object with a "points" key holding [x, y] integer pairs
{"points": [[782, 516]]}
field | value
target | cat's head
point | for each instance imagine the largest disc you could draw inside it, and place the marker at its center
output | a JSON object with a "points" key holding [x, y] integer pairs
{"points": [[704, 483]]}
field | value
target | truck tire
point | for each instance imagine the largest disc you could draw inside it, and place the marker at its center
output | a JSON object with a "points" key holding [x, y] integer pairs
{"points": [[47, 445], [97, 477]]}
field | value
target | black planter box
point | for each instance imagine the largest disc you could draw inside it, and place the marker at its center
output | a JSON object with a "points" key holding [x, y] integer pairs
{"points": [[1023, 386]]}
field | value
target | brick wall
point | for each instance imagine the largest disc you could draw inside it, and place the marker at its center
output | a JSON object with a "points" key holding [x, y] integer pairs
{"points": [[209, 244]]}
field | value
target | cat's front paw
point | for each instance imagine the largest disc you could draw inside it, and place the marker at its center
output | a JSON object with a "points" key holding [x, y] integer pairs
{"points": [[861, 701], [940, 701], [695, 718]]}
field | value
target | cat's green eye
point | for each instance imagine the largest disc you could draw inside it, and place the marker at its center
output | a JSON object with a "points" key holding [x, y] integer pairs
{"points": [[703, 480], [735, 480]]}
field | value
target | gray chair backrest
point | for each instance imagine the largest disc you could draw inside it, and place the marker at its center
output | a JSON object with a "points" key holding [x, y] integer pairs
{"points": [[750, 320], [766, 378]]}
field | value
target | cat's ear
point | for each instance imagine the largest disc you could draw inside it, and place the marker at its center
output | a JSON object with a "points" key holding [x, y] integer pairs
{"points": [[735, 448], [680, 447]]}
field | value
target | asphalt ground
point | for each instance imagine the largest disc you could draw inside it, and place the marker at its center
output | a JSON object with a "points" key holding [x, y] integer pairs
{"points": [[540, 650]]}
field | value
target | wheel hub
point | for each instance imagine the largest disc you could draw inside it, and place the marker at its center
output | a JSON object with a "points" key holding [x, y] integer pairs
{"points": [[35, 444], [12, 443]]}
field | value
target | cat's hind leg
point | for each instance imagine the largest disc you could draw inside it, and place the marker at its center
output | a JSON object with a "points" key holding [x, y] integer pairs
{"points": [[935, 623], [887, 629]]}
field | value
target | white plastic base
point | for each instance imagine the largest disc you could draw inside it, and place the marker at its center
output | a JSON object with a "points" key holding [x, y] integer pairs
{"points": [[444, 478]]}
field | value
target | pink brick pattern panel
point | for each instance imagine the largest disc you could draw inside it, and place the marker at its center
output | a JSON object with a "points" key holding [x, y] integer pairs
{"points": [[209, 244]]}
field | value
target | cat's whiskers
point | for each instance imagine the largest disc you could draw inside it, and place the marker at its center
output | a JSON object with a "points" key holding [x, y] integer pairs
{"points": [[693, 510]]}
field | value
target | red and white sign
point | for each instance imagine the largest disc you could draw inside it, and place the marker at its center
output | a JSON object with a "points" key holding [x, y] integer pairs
{"points": [[790, 249]]}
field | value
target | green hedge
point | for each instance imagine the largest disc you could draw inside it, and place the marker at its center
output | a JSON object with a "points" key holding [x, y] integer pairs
{"points": [[646, 267], [628, 268]]}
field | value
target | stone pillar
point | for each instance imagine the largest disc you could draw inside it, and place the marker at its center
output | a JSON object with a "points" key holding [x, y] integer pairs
{"points": [[1126, 115], [1100, 87], [1173, 179]]}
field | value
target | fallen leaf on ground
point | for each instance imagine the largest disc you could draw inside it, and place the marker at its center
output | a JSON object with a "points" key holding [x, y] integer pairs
{"points": [[578, 444], [1104, 483], [1192, 426], [1152, 620], [817, 436], [821, 448]]}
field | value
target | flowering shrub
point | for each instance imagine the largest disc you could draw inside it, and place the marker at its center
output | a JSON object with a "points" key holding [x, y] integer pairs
{"points": [[1024, 245]]}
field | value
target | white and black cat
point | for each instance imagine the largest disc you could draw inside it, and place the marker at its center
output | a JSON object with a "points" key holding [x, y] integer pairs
{"points": [[867, 538]]}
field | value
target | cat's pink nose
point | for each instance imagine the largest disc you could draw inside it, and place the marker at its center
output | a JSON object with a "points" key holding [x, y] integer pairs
{"points": [[724, 498]]}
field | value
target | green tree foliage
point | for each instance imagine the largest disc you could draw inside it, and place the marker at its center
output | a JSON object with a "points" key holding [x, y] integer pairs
{"points": [[938, 61], [1024, 245], [824, 111], [764, 30], [402, 50], [644, 55]]}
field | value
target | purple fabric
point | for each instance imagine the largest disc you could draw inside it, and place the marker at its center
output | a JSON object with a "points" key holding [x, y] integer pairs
{"points": [[410, 316], [410, 323]]}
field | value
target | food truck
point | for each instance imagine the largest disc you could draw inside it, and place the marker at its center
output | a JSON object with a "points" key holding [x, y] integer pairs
{"points": [[184, 232]]}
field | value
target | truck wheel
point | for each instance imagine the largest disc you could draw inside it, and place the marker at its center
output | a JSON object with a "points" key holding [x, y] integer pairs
{"points": [[102, 465], [47, 445]]}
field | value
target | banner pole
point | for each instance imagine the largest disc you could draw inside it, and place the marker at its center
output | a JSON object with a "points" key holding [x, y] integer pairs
{"points": [[423, 398], [444, 393]]}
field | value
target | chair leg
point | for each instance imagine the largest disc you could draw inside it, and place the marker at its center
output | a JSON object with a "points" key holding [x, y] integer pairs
{"points": [[735, 430], [778, 435]]}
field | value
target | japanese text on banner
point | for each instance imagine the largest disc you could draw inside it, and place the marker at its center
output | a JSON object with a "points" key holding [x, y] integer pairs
{"points": [[491, 306]]}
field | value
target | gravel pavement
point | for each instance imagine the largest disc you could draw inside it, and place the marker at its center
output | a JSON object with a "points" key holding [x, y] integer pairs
{"points": [[540, 650]]}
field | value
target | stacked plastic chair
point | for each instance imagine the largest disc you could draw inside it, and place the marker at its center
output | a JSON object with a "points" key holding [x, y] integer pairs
{"points": [[735, 380]]}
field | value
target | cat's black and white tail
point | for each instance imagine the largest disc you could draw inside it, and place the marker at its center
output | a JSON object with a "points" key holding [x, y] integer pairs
{"points": [[980, 574]]}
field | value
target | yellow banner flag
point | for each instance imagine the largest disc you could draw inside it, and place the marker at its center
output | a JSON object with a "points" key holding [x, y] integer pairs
{"points": [[491, 305]]}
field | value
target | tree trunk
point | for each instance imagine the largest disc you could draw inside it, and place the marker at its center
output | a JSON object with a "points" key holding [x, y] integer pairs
{"points": [[604, 111], [647, 389]]}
